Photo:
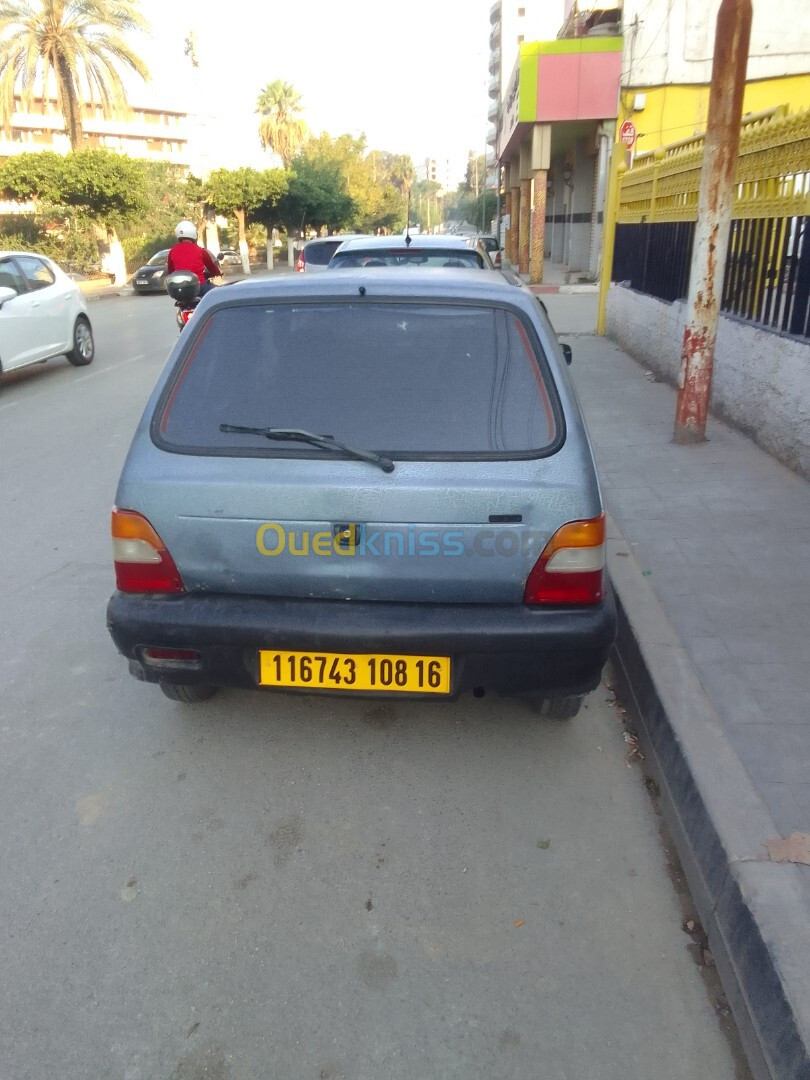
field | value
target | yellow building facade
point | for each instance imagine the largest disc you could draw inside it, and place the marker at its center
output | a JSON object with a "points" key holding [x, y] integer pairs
{"points": [[671, 113]]}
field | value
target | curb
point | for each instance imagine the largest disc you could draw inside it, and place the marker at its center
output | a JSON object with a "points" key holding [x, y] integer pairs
{"points": [[564, 289], [753, 910], [110, 292]]}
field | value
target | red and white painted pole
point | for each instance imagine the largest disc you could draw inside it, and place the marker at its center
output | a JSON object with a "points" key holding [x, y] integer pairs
{"points": [[715, 205]]}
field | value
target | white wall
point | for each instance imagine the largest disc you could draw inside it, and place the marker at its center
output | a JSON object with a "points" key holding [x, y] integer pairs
{"points": [[679, 49], [761, 379], [541, 22]]}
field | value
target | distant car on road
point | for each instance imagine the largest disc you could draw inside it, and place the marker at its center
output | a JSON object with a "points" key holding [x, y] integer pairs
{"points": [[364, 484], [317, 253], [42, 313], [450, 252], [229, 257], [149, 278]]}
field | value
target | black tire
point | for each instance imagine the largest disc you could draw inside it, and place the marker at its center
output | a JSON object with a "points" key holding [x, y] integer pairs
{"points": [[558, 708], [188, 693], [84, 348]]}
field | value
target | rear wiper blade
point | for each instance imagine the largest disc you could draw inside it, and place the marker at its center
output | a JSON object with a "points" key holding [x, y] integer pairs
{"points": [[326, 442]]}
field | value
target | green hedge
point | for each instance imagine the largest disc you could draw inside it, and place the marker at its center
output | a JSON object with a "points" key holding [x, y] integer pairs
{"points": [[75, 250], [140, 249]]}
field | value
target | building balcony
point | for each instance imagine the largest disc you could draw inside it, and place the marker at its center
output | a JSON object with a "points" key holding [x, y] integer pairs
{"points": [[492, 112], [495, 36], [494, 86], [495, 61], [495, 12], [130, 127]]}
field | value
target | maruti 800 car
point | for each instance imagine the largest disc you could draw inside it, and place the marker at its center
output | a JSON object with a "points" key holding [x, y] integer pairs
{"points": [[367, 483]]}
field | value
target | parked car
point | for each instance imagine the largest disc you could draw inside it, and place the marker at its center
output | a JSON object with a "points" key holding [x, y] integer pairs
{"points": [[150, 278], [422, 251], [316, 253], [42, 313], [229, 257], [492, 246], [437, 525]]}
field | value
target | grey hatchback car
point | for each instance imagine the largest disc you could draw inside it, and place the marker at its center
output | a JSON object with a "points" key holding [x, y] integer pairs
{"points": [[368, 483]]}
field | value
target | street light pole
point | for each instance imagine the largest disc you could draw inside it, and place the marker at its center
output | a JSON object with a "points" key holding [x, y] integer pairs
{"points": [[715, 206]]}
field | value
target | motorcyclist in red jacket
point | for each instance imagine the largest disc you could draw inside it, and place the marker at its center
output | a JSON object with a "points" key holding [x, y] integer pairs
{"points": [[188, 255]]}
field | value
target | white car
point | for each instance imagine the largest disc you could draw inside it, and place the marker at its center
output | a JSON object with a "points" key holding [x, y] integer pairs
{"points": [[42, 313]]}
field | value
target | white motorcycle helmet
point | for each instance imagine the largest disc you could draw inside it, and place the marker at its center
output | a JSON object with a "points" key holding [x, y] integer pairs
{"points": [[186, 230]]}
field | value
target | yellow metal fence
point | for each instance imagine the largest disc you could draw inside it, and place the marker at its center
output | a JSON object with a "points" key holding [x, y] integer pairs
{"points": [[768, 269], [773, 174]]}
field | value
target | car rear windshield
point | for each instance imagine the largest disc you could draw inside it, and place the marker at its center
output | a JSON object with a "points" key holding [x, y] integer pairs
{"points": [[412, 256], [320, 254], [419, 379]]}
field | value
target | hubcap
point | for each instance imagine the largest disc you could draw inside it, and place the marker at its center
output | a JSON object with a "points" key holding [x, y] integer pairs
{"points": [[84, 341]]}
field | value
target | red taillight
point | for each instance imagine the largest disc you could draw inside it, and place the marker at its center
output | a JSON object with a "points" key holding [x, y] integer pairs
{"points": [[300, 263], [186, 314], [142, 563], [571, 567], [151, 652]]}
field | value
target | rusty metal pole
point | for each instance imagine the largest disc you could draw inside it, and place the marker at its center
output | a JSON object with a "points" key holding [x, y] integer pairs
{"points": [[715, 205]]}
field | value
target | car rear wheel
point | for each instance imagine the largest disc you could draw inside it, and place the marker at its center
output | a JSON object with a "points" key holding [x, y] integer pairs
{"points": [[558, 708], [84, 348], [188, 693]]}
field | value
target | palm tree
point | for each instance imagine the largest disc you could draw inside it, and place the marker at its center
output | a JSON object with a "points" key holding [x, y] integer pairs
{"points": [[78, 43], [402, 172], [281, 128]]}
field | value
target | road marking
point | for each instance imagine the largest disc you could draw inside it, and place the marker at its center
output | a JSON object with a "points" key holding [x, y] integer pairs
{"points": [[107, 370], [9, 405]]}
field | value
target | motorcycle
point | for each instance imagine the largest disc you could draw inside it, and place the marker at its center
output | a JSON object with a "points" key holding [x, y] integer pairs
{"points": [[183, 286]]}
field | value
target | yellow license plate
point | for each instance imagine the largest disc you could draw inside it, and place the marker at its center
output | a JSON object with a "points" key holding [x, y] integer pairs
{"points": [[355, 671]]}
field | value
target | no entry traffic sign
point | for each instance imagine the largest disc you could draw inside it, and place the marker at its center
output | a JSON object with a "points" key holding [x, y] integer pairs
{"points": [[627, 133]]}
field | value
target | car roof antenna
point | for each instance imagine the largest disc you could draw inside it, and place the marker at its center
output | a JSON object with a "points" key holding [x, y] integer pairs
{"points": [[408, 220]]}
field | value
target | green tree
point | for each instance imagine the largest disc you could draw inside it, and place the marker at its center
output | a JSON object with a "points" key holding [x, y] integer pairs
{"points": [[316, 196], [426, 203], [475, 178], [33, 177], [104, 189], [107, 188], [78, 44], [281, 127], [240, 192], [267, 212]]}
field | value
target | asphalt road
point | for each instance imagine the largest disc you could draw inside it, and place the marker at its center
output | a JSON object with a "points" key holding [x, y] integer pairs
{"points": [[277, 887]]}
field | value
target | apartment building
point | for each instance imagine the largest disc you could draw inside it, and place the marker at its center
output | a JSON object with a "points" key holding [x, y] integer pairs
{"points": [[511, 23], [156, 134]]}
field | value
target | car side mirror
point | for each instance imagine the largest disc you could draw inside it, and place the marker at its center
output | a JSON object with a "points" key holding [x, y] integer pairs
{"points": [[6, 294], [569, 356]]}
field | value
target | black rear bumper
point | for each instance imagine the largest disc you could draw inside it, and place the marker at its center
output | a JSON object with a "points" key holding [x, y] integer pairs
{"points": [[509, 649]]}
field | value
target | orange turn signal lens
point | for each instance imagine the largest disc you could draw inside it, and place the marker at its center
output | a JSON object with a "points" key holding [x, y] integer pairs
{"points": [[577, 534]]}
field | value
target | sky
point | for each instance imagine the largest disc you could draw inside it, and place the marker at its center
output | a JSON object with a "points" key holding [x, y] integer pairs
{"points": [[412, 77]]}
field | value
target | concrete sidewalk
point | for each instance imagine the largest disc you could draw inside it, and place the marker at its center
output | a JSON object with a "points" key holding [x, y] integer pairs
{"points": [[710, 559]]}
